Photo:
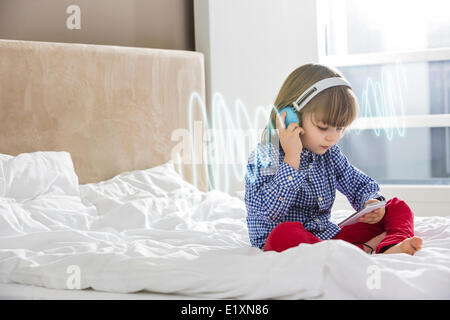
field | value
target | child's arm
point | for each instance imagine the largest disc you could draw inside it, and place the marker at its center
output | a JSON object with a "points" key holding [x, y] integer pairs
{"points": [[352, 182], [270, 187]]}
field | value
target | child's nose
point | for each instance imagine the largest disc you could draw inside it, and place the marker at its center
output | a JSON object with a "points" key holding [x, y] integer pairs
{"points": [[332, 136]]}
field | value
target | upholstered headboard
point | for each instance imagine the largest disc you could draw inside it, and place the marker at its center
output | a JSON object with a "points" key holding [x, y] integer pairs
{"points": [[113, 108]]}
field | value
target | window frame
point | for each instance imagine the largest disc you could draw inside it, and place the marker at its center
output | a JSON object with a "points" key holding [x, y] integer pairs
{"points": [[426, 55], [393, 57], [425, 200]]}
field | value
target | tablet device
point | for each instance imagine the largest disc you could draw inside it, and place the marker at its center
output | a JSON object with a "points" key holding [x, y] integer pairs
{"points": [[353, 218]]}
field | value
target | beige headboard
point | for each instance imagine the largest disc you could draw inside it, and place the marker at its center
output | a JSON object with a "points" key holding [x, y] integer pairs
{"points": [[113, 108]]}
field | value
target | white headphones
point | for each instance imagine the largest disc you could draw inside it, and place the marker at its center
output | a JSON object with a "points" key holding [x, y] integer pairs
{"points": [[316, 88]]}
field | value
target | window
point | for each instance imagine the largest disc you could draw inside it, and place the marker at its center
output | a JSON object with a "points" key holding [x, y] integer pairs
{"points": [[396, 55]]}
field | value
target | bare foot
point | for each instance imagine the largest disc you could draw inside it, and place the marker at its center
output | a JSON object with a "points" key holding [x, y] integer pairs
{"points": [[374, 242], [409, 246]]}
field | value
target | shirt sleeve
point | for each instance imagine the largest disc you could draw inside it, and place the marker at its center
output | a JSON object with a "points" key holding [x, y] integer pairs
{"points": [[354, 184], [271, 185]]}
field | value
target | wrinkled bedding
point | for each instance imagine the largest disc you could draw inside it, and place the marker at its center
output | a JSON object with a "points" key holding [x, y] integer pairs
{"points": [[151, 230]]}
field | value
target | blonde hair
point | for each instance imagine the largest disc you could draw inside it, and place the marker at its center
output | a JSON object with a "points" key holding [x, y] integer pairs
{"points": [[335, 106]]}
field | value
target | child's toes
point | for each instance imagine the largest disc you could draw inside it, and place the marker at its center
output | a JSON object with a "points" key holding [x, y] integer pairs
{"points": [[411, 245], [416, 243]]}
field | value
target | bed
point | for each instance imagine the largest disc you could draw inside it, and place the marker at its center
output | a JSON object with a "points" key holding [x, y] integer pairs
{"points": [[98, 201]]}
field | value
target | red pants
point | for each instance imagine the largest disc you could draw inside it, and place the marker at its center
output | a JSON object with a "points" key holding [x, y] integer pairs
{"points": [[398, 222]]}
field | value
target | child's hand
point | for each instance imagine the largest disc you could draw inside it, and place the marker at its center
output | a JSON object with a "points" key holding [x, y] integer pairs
{"points": [[374, 216], [289, 137]]}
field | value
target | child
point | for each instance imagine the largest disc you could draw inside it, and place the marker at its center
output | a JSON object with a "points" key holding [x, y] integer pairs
{"points": [[291, 183]]}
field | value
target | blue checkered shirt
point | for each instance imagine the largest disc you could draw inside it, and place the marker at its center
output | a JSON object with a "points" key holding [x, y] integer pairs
{"points": [[275, 192]]}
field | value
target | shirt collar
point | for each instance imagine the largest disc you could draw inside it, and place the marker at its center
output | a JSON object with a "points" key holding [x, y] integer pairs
{"points": [[311, 156], [306, 154]]}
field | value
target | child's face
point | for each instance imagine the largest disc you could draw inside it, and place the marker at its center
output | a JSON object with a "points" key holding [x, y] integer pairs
{"points": [[318, 136]]}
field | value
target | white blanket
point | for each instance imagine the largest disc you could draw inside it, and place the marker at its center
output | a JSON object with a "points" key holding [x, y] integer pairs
{"points": [[150, 230]]}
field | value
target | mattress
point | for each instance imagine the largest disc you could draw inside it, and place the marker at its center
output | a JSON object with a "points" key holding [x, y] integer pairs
{"points": [[149, 234]]}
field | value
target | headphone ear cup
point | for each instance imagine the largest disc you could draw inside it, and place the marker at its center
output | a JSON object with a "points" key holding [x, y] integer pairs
{"points": [[291, 115]]}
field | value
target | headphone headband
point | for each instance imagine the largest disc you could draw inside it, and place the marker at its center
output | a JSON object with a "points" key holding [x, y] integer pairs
{"points": [[316, 88]]}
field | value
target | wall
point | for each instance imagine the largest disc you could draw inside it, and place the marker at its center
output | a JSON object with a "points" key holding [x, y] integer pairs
{"points": [[166, 24], [250, 47]]}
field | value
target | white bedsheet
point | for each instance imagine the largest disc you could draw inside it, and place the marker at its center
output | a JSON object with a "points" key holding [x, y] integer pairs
{"points": [[150, 230]]}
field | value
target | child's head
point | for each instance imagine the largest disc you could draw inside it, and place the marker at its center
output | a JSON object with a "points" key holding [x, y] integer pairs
{"points": [[334, 108]]}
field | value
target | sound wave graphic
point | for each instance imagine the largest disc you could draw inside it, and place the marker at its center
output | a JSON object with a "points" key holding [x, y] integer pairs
{"points": [[221, 140], [224, 137], [384, 99]]}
